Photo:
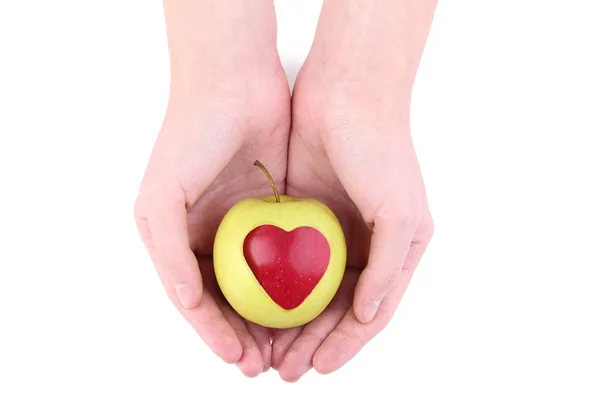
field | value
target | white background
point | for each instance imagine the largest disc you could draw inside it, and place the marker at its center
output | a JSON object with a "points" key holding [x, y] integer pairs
{"points": [[506, 120]]}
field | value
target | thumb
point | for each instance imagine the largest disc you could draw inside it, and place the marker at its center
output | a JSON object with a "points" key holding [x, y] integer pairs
{"points": [[161, 215], [162, 223], [390, 245]]}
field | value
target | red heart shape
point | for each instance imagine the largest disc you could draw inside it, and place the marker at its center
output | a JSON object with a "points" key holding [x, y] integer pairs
{"points": [[288, 265]]}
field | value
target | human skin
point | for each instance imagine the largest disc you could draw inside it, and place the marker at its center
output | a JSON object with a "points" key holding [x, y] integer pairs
{"points": [[229, 104], [351, 147]]}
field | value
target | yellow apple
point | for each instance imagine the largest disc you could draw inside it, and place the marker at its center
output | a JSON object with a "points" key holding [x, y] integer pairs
{"points": [[279, 260]]}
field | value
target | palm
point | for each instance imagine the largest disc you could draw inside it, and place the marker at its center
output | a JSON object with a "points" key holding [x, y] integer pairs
{"points": [[310, 174], [240, 179], [264, 126]]}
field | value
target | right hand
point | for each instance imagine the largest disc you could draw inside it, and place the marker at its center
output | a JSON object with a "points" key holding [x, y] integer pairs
{"points": [[351, 147]]}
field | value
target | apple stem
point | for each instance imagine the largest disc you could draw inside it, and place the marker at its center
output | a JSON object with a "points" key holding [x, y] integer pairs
{"points": [[270, 178]]}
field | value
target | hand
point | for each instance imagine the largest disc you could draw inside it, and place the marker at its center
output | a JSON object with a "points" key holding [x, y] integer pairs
{"points": [[224, 112], [351, 147]]}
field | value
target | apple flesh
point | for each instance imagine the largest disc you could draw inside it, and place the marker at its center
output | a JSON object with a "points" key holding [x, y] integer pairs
{"points": [[288, 265]]}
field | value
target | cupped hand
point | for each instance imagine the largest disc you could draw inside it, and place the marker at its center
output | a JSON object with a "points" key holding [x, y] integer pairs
{"points": [[201, 164], [351, 148]]}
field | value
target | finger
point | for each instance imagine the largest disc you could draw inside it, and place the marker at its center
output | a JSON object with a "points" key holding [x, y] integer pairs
{"points": [[174, 179], [162, 222], [298, 359], [251, 363], [210, 324], [390, 244], [420, 243], [263, 341], [351, 335], [282, 341]]}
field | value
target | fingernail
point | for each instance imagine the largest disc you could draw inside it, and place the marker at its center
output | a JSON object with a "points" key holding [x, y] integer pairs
{"points": [[370, 310], [185, 295]]}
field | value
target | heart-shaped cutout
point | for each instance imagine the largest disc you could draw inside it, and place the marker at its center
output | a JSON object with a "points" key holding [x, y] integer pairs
{"points": [[288, 265]]}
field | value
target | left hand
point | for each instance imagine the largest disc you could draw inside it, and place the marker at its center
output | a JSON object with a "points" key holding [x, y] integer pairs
{"points": [[357, 157], [200, 166]]}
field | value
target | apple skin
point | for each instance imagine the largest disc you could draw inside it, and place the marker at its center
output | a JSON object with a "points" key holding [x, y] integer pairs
{"points": [[239, 284]]}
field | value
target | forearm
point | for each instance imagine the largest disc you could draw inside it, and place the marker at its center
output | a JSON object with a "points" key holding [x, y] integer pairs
{"points": [[372, 44], [212, 39]]}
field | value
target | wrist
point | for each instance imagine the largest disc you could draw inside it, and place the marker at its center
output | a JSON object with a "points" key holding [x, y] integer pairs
{"points": [[370, 48], [342, 99], [216, 45], [230, 77]]}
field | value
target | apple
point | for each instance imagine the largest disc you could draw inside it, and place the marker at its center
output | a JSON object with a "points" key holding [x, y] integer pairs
{"points": [[279, 260]]}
